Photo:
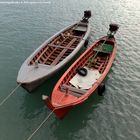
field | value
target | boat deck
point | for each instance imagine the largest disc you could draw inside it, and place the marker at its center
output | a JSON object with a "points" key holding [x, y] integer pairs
{"points": [[99, 63], [60, 47]]}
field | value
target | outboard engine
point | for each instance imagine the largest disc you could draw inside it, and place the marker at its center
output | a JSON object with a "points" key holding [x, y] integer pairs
{"points": [[113, 28], [87, 15]]}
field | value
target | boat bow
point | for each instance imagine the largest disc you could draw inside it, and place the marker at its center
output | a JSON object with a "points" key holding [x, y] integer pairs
{"points": [[59, 110]]}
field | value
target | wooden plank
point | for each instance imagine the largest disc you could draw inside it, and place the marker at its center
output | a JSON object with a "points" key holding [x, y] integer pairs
{"points": [[73, 89], [45, 55], [42, 53], [74, 36], [105, 64], [49, 55], [63, 52], [60, 42], [72, 93], [49, 45], [100, 66], [101, 51], [62, 47], [55, 39]]}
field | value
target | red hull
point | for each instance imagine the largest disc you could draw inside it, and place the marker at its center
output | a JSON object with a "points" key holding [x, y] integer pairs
{"points": [[60, 112], [65, 96]]}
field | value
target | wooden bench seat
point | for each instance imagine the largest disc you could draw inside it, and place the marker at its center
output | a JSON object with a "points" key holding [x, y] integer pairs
{"points": [[102, 51], [73, 90], [74, 36], [59, 46]]}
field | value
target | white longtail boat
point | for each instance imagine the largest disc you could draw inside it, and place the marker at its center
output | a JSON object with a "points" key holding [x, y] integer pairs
{"points": [[53, 54]]}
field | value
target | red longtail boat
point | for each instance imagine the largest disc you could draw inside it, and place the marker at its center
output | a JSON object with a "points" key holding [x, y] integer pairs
{"points": [[84, 76]]}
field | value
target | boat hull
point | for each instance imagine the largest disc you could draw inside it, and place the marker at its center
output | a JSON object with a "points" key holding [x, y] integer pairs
{"points": [[61, 112], [72, 95], [33, 85]]}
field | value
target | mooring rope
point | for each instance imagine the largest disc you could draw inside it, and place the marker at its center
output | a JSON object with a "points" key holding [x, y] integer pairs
{"points": [[41, 124], [12, 92], [46, 119]]}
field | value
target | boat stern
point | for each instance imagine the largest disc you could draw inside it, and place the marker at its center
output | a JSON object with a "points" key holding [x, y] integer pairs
{"points": [[30, 77]]}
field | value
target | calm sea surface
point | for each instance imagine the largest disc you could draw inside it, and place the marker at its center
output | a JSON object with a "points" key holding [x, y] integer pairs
{"points": [[116, 116]]}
